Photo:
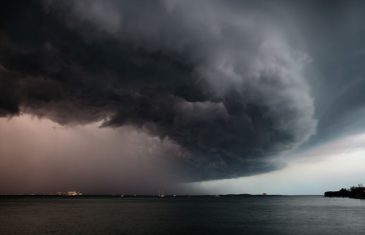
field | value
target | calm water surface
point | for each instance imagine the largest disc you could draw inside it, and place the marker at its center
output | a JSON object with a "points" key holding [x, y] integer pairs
{"points": [[249, 215]]}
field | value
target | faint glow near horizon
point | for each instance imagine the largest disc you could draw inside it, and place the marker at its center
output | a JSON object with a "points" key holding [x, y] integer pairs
{"points": [[90, 152], [41, 156], [332, 166]]}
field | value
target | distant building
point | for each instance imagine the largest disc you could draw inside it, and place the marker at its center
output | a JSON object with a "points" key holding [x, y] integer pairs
{"points": [[73, 193], [70, 193]]}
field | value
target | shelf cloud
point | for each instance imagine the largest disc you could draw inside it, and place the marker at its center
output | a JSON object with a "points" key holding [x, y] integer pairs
{"points": [[222, 80], [218, 79]]}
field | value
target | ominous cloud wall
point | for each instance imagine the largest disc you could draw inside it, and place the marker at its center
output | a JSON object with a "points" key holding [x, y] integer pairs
{"points": [[335, 35], [220, 79]]}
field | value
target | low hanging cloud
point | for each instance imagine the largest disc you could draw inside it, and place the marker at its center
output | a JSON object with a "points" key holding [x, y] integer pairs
{"points": [[217, 78]]}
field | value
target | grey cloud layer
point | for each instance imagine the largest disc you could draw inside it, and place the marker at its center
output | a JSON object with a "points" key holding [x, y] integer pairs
{"points": [[216, 77]]}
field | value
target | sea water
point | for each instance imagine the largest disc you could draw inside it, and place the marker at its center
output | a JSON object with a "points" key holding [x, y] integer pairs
{"points": [[242, 215]]}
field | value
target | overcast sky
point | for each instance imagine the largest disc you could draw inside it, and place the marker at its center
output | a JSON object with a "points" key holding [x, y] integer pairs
{"points": [[193, 96]]}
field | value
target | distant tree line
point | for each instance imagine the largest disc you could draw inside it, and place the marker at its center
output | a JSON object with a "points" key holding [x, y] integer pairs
{"points": [[353, 192]]}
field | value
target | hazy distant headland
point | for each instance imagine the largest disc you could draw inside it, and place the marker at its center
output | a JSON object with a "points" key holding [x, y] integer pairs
{"points": [[353, 192]]}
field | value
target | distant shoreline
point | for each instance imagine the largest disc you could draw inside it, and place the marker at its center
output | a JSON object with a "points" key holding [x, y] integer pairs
{"points": [[354, 192], [146, 196]]}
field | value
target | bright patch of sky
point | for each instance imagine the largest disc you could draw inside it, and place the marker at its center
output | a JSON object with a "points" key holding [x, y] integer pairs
{"points": [[329, 167]]}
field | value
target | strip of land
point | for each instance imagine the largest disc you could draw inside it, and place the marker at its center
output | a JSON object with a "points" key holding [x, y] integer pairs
{"points": [[353, 192]]}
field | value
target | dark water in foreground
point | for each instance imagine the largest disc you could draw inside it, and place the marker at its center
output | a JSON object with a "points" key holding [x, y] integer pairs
{"points": [[248, 215]]}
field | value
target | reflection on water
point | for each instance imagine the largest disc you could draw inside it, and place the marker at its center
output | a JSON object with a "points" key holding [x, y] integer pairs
{"points": [[248, 215]]}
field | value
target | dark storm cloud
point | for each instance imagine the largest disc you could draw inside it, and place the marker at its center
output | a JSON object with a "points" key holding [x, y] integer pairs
{"points": [[334, 34], [217, 78]]}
